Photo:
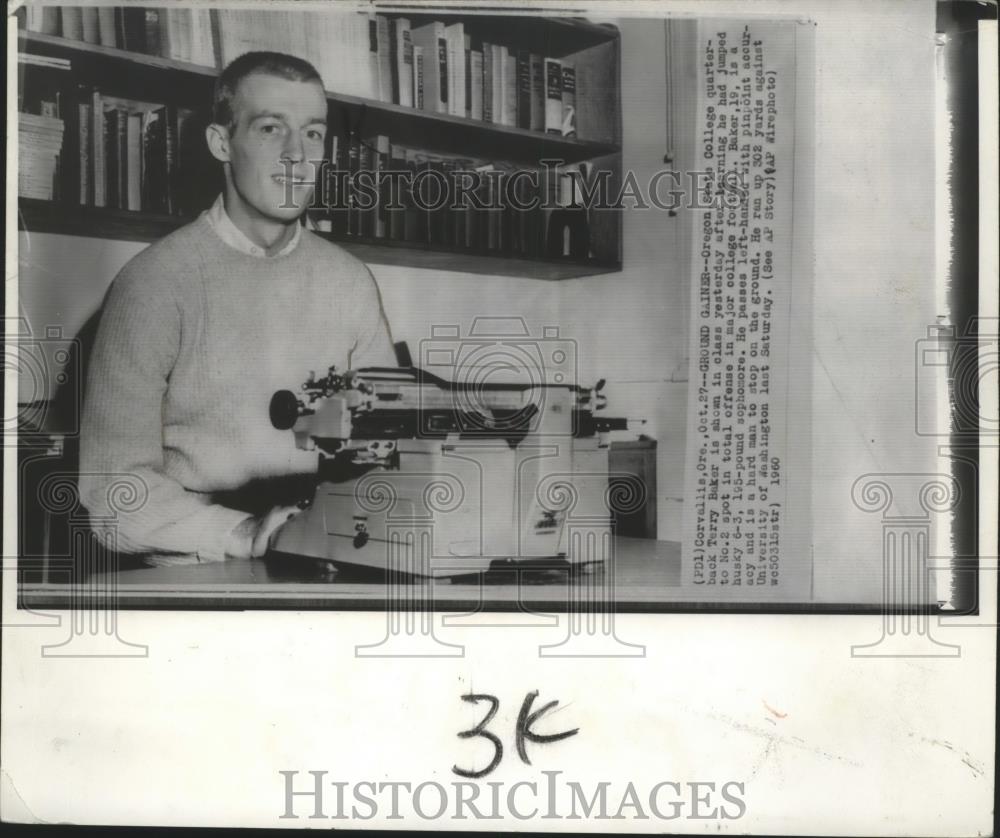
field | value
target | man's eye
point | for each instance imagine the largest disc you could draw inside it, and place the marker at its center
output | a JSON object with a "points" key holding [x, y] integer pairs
{"points": [[270, 128], [316, 134]]}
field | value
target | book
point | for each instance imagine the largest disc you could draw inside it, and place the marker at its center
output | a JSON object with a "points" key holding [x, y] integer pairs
{"points": [[202, 38], [537, 121], [130, 28], [151, 31], [509, 88], [40, 139], [380, 164], [402, 62], [553, 96], [432, 41], [84, 119], [89, 29], [133, 166], [170, 159], [353, 166], [385, 62], [98, 144], [418, 77], [44, 19], [487, 82], [394, 200], [106, 26], [467, 82], [114, 160], [568, 100], [476, 84], [455, 40], [44, 61], [72, 22], [154, 162], [372, 64], [523, 89], [414, 218], [194, 186]]}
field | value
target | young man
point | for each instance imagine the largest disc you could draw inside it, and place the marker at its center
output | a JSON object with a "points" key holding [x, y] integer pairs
{"points": [[200, 329]]}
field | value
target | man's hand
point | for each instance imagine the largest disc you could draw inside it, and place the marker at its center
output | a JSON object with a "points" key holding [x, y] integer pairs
{"points": [[252, 538]]}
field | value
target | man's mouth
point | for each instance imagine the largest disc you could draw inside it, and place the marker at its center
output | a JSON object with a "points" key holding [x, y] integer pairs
{"points": [[284, 180]]}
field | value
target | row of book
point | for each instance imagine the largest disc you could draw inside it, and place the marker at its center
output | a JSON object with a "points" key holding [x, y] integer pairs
{"points": [[437, 67], [81, 146], [489, 222], [181, 34]]}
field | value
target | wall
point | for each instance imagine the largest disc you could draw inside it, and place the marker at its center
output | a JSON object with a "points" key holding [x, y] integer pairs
{"points": [[633, 325]]}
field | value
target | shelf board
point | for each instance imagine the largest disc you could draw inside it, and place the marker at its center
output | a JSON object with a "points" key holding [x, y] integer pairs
{"points": [[98, 222], [432, 131]]}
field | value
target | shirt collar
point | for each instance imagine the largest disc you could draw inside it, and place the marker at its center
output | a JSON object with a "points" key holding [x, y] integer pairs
{"points": [[237, 239]]}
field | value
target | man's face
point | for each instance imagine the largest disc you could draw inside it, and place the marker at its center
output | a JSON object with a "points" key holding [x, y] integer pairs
{"points": [[278, 140]]}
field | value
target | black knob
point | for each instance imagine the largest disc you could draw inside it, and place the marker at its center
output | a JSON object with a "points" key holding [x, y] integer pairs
{"points": [[361, 539], [284, 409]]}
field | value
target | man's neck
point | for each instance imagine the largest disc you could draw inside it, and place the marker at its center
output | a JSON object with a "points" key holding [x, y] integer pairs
{"points": [[266, 233]]}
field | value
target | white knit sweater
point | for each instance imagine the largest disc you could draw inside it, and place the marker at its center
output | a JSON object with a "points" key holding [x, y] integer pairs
{"points": [[194, 339]]}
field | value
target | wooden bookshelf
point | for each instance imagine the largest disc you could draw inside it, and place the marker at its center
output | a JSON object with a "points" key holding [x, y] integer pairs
{"points": [[122, 225], [152, 78]]}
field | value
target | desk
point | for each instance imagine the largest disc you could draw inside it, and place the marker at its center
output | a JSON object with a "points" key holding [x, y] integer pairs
{"points": [[644, 576]]}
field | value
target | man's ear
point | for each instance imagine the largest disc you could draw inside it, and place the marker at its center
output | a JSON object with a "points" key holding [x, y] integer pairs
{"points": [[217, 137]]}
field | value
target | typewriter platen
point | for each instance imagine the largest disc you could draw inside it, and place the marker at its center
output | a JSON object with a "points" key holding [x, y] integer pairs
{"points": [[440, 478]]}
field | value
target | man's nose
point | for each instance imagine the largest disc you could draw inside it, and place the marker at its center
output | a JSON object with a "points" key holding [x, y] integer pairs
{"points": [[294, 149]]}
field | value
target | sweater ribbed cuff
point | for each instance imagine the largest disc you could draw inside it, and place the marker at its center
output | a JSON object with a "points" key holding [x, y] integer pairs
{"points": [[224, 543]]}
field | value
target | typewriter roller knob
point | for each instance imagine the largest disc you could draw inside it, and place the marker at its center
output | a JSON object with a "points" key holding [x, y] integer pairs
{"points": [[284, 409]]}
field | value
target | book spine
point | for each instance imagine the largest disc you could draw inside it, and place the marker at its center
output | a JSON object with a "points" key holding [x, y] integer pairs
{"points": [[406, 84], [395, 53], [385, 62], [111, 158], [98, 148], [510, 88], [380, 160], [353, 164], [396, 215], [106, 26], [72, 22], [373, 62], [553, 96], [134, 30], [83, 144], [537, 93], [468, 77], [443, 80], [151, 27], [487, 82], [568, 101], [418, 77], [171, 162], [134, 162], [89, 26], [523, 89], [476, 85], [121, 151]]}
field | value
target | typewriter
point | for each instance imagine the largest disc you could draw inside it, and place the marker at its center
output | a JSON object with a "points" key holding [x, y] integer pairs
{"points": [[426, 476]]}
